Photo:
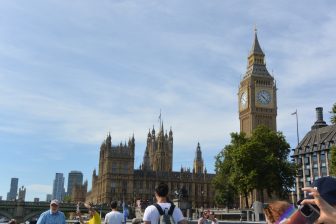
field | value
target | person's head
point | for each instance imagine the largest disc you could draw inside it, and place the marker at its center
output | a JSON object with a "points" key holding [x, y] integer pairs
{"points": [[161, 190], [206, 214], [274, 210], [12, 221], [54, 204], [114, 204], [326, 186]]}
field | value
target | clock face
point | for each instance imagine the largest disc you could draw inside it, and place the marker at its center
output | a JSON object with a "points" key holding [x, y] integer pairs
{"points": [[243, 100], [264, 97]]}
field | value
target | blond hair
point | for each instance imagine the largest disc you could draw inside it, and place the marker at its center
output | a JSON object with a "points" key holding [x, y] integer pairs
{"points": [[275, 209]]}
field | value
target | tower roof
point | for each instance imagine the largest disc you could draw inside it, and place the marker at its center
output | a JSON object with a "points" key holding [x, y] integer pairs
{"points": [[256, 63], [256, 49]]}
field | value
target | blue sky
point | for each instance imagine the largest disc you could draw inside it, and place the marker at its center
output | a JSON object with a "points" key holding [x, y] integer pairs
{"points": [[71, 71]]}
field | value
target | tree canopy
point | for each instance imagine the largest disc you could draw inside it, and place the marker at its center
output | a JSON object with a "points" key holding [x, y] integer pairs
{"points": [[258, 162], [333, 161]]}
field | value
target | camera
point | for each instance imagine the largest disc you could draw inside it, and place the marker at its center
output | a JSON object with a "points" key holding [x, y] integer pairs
{"points": [[306, 214], [310, 212]]}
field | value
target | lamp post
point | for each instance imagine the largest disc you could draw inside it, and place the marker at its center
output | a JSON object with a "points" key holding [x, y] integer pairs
{"points": [[297, 125]]}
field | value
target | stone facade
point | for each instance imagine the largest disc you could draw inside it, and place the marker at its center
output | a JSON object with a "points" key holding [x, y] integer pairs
{"points": [[312, 154], [79, 192], [118, 180], [257, 93]]}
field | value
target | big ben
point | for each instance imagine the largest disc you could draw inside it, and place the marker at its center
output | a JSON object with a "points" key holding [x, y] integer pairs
{"points": [[257, 93]]}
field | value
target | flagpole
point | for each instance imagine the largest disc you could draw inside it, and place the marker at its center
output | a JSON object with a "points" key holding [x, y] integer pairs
{"points": [[160, 117], [297, 127]]}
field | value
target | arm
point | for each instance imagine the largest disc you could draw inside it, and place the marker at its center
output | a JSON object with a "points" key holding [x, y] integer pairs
{"points": [[147, 216], [177, 215], [41, 219], [106, 219], [90, 207]]}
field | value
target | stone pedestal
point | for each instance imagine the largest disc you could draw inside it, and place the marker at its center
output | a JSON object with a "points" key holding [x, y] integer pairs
{"points": [[184, 205]]}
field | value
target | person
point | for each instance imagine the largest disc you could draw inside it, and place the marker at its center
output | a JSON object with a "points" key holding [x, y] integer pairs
{"points": [[327, 211], [114, 217], [212, 218], [326, 188], [12, 221], [152, 215], [52, 216], [125, 211], [275, 210], [94, 216], [204, 218]]}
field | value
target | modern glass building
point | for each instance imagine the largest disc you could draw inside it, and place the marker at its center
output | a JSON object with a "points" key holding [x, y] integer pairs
{"points": [[74, 178], [11, 195], [58, 187]]}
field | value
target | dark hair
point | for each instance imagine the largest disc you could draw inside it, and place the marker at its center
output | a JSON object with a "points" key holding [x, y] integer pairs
{"points": [[114, 204], [162, 190]]}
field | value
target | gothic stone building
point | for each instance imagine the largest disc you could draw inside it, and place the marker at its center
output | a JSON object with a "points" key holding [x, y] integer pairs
{"points": [[257, 100], [118, 180], [257, 93]]}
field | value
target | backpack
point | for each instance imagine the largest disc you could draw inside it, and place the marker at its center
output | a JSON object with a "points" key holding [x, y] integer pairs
{"points": [[166, 216]]}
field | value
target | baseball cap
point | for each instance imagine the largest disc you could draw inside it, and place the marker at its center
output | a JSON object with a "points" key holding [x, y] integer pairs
{"points": [[326, 186], [55, 202]]}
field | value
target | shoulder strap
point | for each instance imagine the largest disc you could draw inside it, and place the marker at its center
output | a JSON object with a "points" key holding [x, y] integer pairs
{"points": [[171, 209], [158, 207]]}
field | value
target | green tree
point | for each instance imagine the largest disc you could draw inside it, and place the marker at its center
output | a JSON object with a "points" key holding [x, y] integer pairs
{"points": [[259, 162], [67, 198], [333, 161], [275, 173], [333, 114], [230, 172], [224, 192]]}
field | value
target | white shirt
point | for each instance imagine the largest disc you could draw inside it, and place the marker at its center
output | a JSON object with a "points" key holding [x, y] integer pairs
{"points": [[114, 217], [152, 214]]}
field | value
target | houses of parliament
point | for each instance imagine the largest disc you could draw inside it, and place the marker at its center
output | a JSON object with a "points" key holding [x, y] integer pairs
{"points": [[117, 179]]}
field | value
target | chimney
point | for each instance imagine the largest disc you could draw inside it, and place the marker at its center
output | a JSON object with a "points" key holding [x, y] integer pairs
{"points": [[319, 123]]}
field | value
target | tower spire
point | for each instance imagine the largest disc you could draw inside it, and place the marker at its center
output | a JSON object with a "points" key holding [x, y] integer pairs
{"points": [[256, 49]]}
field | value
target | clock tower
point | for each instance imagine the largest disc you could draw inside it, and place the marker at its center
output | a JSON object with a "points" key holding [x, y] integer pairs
{"points": [[257, 93]]}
